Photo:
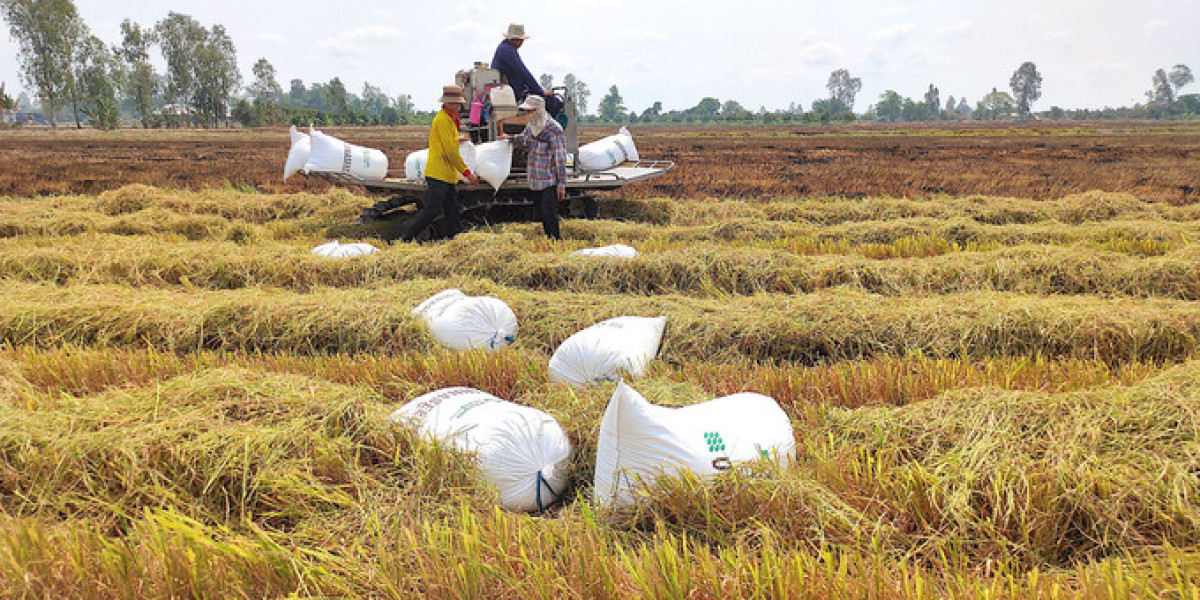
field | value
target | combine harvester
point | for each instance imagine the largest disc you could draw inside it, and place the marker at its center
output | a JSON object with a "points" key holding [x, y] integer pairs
{"points": [[492, 109]]}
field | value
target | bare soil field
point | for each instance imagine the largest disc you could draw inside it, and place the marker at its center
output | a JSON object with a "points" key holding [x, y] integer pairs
{"points": [[1157, 162]]}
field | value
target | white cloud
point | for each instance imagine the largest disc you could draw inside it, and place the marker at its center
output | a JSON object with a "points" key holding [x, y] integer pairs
{"points": [[1156, 26], [1061, 35], [896, 31], [273, 38], [819, 53], [645, 35], [471, 30], [361, 41], [959, 28]]}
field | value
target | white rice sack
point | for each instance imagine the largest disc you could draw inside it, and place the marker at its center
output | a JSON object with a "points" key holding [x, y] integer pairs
{"points": [[608, 152], [331, 155], [605, 350], [463, 322], [615, 250], [414, 165], [493, 162], [640, 441], [467, 151], [298, 154], [522, 451], [335, 249]]}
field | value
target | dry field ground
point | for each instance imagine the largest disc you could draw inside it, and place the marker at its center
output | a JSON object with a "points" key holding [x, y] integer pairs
{"points": [[987, 338], [1154, 161]]}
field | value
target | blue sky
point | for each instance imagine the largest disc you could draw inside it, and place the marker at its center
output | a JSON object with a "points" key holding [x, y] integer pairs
{"points": [[1091, 53]]}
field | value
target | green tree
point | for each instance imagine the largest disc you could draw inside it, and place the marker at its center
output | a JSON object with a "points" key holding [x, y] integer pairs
{"points": [[546, 80], [7, 106], [577, 90], [843, 88], [706, 110], [995, 105], [265, 85], [826, 110], [933, 102], [1161, 93], [1026, 85], [45, 32], [180, 38], [732, 110], [1180, 76], [337, 100], [612, 106], [653, 113], [216, 75], [297, 93], [95, 76], [890, 108], [137, 79]]}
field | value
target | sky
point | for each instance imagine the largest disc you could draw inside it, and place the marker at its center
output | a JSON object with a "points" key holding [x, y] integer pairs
{"points": [[761, 53]]}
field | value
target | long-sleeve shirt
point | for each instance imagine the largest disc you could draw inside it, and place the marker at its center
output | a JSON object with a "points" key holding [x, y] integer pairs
{"points": [[509, 63], [445, 163], [547, 162]]}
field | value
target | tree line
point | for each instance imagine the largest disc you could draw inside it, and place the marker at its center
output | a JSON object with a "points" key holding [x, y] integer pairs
{"points": [[77, 77]]}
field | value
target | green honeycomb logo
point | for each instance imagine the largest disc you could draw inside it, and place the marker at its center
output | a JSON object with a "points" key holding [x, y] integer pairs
{"points": [[714, 441]]}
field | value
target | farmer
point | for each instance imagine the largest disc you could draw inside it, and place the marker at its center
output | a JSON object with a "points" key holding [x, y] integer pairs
{"points": [[547, 163], [442, 169], [513, 72]]}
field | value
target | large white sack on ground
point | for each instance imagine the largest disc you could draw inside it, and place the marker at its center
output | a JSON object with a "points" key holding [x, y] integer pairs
{"points": [[521, 450], [614, 250], [298, 154], [336, 249], [493, 162], [608, 348], [608, 152], [463, 322], [639, 441], [331, 155]]}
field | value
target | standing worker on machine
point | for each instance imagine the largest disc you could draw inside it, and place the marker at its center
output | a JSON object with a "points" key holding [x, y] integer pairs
{"points": [[442, 169], [513, 72]]}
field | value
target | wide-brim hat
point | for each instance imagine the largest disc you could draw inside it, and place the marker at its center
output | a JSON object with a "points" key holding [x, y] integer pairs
{"points": [[516, 31], [452, 93], [533, 102]]}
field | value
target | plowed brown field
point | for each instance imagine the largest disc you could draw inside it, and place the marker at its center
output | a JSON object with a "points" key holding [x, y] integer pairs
{"points": [[1155, 161]]}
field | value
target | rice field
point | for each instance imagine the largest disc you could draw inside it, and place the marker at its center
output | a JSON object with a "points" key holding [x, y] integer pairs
{"points": [[994, 396]]}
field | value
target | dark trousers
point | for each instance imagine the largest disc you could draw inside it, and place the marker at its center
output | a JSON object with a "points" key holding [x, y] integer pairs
{"points": [[441, 200], [547, 205]]}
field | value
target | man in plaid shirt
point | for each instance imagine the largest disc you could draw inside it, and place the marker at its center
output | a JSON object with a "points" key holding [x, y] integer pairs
{"points": [[547, 163]]}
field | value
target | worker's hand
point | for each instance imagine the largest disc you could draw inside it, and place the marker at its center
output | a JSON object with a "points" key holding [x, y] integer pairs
{"points": [[473, 179], [462, 137], [548, 93], [562, 194], [502, 136]]}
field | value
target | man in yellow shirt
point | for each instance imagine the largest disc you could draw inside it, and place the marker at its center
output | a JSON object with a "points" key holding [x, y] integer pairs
{"points": [[442, 169]]}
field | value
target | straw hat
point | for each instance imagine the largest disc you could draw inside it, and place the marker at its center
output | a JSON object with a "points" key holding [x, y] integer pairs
{"points": [[452, 93], [516, 31]]}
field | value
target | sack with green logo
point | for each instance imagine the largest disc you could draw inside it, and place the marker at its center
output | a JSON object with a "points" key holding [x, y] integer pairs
{"points": [[640, 441]]}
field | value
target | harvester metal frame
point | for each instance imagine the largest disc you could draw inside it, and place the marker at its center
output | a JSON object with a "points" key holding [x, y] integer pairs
{"points": [[515, 191]]}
